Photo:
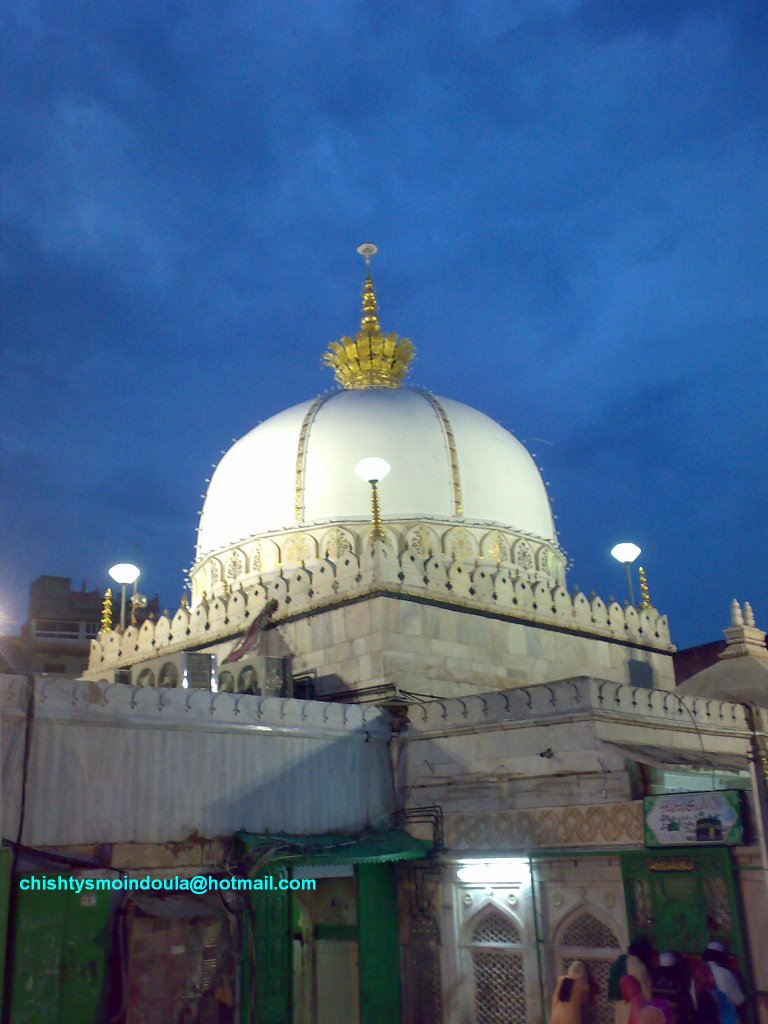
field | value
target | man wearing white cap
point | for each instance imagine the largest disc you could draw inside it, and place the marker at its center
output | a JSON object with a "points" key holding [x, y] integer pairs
{"points": [[725, 979]]}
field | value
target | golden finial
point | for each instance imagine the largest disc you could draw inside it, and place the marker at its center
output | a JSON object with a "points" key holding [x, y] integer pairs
{"points": [[106, 612], [184, 599], [372, 359], [645, 597]]}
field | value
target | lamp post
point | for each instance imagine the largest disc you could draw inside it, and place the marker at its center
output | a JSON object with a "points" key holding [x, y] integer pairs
{"points": [[124, 573], [374, 470], [627, 553]]}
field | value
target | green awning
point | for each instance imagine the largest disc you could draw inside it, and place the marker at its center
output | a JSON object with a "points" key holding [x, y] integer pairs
{"points": [[371, 847]]}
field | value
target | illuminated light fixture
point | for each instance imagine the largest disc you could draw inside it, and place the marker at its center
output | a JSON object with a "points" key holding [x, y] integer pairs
{"points": [[500, 871], [124, 573], [627, 552], [374, 470]]}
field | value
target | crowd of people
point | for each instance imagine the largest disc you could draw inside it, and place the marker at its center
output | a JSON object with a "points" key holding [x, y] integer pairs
{"points": [[668, 988]]}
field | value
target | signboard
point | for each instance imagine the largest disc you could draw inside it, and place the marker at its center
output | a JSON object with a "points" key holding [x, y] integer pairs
{"points": [[685, 819]]}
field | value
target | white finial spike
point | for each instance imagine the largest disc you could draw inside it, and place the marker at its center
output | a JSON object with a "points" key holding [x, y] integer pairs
{"points": [[749, 615], [736, 616]]}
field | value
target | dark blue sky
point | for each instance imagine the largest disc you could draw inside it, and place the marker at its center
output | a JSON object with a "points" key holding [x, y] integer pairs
{"points": [[570, 203]]}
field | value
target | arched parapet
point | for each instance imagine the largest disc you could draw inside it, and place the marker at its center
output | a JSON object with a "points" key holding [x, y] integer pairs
{"points": [[387, 546], [253, 558], [582, 613], [218, 616], [503, 589], [163, 634], [277, 590], [459, 580], [495, 548], [111, 645], [542, 599], [647, 619], [543, 562], [661, 632], [299, 548], [436, 577], [411, 569], [129, 642], [347, 569], [324, 583], [271, 556], [146, 639], [422, 541], [300, 587], [199, 618], [481, 584], [561, 603], [236, 566], [238, 603], [599, 612], [214, 574], [337, 542], [180, 624], [524, 558], [460, 545], [523, 598], [616, 618], [631, 623]]}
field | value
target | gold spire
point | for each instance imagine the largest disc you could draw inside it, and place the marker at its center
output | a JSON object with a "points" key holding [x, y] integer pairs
{"points": [[106, 612], [645, 597], [372, 359]]}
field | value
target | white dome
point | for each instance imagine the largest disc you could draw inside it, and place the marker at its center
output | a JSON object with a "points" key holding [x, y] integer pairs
{"points": [[449, 462]]}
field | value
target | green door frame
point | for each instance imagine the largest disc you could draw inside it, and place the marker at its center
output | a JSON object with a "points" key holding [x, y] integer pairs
{"points": [[643, 872]]}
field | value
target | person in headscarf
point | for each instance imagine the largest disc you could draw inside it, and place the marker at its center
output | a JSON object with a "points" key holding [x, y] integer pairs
{"points": [[635, 963], [571, 992], [633, 996]]}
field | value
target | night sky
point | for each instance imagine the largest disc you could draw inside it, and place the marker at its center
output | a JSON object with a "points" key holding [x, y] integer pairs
{"points": [[570, 205]]}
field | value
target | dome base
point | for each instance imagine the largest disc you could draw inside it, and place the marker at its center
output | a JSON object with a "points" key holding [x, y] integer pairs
{"points": [[467, 544]]}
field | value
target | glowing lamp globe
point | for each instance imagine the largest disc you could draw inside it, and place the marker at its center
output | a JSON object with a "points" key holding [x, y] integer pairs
{"points": [[373, 469], [625, 552], [124, 573]]}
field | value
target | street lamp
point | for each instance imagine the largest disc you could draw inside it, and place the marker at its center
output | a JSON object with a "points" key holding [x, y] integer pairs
{"points": [[124, 573], [374, 470], [627, 553]]}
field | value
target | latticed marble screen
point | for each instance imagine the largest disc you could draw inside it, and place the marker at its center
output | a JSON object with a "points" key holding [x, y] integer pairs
{"points": [[424, 1002], [496, 928], [589, 933], [499, 973], [499, 987]]}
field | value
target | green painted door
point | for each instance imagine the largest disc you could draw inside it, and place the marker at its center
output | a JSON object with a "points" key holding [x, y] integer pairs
{"points": [[378, 944], [268, 976], [683, 899], [59, 948], [5, 891]]}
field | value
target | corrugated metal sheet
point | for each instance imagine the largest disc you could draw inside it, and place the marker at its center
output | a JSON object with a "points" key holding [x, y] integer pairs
{"points": [[111, 763]]}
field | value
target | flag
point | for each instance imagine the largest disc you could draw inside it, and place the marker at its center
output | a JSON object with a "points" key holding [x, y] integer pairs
{"points": [[254, 632]]}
